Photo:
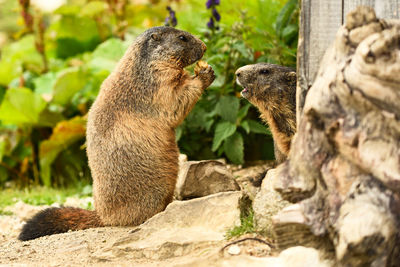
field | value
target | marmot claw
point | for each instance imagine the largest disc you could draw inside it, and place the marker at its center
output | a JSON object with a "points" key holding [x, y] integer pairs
{"points": [[205, 72]]}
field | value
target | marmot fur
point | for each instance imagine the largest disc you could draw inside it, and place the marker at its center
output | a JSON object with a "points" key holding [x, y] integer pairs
{"points": [[131, 147]]}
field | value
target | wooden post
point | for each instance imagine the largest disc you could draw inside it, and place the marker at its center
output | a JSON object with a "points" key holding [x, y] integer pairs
{"points": [[343, 170], [319, 22]]}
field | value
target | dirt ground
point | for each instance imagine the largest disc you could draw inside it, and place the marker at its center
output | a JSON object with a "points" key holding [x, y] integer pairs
{"points": [[165, 241], [98, 247]]}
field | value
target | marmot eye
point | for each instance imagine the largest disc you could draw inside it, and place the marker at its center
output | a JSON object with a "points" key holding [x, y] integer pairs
{"points": [[264, 71], [183, 38]]}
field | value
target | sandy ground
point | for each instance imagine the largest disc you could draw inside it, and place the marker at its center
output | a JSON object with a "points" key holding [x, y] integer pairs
{"points": [[105, 247], [97, 247]]}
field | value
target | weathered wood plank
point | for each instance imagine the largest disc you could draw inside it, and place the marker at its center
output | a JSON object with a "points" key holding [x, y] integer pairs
{"points": [[320, 20], [344, 164], [388, 9]]}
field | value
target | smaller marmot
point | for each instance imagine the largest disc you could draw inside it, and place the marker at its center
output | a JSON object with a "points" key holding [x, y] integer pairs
{"points": [[272, 89], [131, 147]]}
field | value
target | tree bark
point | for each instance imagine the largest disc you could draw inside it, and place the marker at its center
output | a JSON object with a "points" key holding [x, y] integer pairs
{"points": [[343, 170]]}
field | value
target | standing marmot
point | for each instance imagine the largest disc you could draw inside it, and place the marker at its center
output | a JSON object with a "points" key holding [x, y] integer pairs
{"points": [[272, 89], [131, 144]]}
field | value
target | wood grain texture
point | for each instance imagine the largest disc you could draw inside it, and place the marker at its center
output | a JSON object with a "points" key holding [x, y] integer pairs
{"points": [[387, 9], [319, 22], [343, 170]]}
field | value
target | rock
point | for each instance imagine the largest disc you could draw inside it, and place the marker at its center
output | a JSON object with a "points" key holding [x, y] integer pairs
{"points": [[250, 178], [267, 202], [202, 178], [292, 257], [10, 226], [83, 203], [234, 250], [302, 256], [235, 261], [182, 159], [26, 211], [183, 227]]}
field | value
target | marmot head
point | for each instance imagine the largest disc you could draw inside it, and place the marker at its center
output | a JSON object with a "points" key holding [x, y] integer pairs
{"points": [[266, 83], [170, 45]]}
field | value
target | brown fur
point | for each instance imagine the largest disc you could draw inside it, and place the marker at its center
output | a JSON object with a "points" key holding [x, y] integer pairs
{"points": [[131, 144], [272, 89]]}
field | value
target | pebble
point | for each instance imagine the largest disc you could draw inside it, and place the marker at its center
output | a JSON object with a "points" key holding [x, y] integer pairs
{"points": [[234, 250]]}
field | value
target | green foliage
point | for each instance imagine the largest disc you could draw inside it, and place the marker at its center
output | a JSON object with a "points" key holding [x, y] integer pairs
{"points": [[222, 120], [46, 93], [40, 195], [21, 106], [65, 134], [246, 226]]}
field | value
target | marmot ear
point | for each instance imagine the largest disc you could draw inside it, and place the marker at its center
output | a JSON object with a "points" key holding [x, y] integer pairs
{"points": [[291, 75], [155, 36]]}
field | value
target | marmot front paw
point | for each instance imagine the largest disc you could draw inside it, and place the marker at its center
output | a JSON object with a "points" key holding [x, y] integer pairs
{"points": [[204, 72]]}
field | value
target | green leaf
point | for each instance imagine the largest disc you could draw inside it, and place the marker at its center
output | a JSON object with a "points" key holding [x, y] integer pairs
{"points": [[93, 8], [80, 28], [44, 85], [197, 118], [234, 148], [107, 54], [243, 111], [257, 127], [49, 118], [17, 56], [74, 35], [284, 16], [2, 147], [243, 50], [228, 108], [87, 190], [68, 9], [112, 49], [21, 106], [215, 59], [9, 69], [68, 82], [10, 137], [222, 131], [245, 125], [27, 77], [178, 133], [208, 125], [64, 134], [290, 32], [3, 175]]}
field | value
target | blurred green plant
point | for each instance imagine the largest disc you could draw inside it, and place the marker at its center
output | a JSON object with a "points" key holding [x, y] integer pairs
{"points": [[51, 74], [222, 123], [40, 195]]}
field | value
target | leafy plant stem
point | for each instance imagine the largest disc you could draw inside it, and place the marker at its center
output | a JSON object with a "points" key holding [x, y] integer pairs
{"points": [[39, 42]]}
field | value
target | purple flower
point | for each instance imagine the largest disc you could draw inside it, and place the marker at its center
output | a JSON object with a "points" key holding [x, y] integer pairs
{"points": [[216, 15], [171, 20], [211, 3], [174, 21], [210, 23]]}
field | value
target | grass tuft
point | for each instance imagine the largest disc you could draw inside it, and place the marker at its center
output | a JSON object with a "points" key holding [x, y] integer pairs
{"points": [[246, 219], [246, 226]]}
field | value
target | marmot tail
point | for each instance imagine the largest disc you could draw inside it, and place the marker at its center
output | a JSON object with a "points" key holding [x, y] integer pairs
{"points": [[59, 220]]}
